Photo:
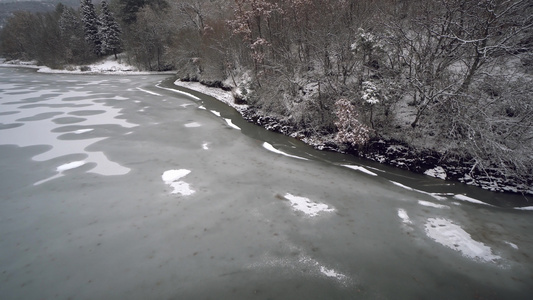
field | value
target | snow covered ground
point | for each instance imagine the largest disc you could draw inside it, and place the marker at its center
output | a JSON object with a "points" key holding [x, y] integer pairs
{"points": [[109, 65]]}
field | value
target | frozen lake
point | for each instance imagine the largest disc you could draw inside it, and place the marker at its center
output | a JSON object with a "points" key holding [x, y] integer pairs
{"points": [[120, 187]]}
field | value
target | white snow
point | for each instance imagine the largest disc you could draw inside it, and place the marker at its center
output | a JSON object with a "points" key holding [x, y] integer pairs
{"points": [[332, 273], [219, 94], [446, 233], [231, 124], [179, 92], [525, 208], [514, 246], [205, 146], [149, 92], [80, 131], [402, 186], [216, 113], [361, 169], [307, 206], [193, 125], [172, 178], [269, 147], [403, 215], [469, 199], [431, 204], [438, 196], [437, 172], [69, 166]]}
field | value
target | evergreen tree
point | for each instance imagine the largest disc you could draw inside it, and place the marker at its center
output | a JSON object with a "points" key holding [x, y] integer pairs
{"points": [[109, 31], [90, 25]]}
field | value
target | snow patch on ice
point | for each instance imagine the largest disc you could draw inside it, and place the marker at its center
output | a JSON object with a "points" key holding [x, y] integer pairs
{"points": [[525, 208], [448, 234], [514, 246], [179, 92], [306, 206], [149, 92], [403, 215], [205, 146], [431, 204], [469, 199], [172, 178], [216, 113], [269, 147], [438, 196], [332, 273], [80, 131], [437, 172], [231, 124], [361, 169], [193, 125], [69, 166]]}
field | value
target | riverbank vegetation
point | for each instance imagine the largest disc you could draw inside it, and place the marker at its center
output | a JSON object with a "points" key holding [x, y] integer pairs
{"points": [[441, 86]]}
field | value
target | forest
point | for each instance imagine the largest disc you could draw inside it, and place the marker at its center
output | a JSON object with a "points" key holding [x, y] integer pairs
{"points": [[439, 85]]}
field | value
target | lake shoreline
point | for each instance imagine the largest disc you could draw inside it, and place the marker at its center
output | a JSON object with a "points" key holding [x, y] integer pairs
{"points": [[389, 152], [385, 151]]}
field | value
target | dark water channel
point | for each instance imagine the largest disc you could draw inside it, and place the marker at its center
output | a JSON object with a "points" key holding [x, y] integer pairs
{"points": [[122, 187]]}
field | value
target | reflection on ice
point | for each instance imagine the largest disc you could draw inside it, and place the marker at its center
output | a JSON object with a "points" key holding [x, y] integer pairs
{"points": [[172, 178], [446, 233], [307, 206]]}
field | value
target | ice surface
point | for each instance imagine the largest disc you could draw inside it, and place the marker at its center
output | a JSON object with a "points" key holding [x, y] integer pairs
{"points": [[306, 206], [446, 233]]}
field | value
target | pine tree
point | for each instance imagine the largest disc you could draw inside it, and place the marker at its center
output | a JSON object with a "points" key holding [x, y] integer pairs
{"points": [[90, 25], [109, 31]]}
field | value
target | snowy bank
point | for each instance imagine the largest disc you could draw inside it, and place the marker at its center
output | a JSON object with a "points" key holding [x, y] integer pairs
{"points": [[109, 65]]}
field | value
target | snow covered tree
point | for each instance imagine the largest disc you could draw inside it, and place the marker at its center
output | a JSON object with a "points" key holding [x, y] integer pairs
{"points": [[109, 31], [91, 22], [351, 130]]}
